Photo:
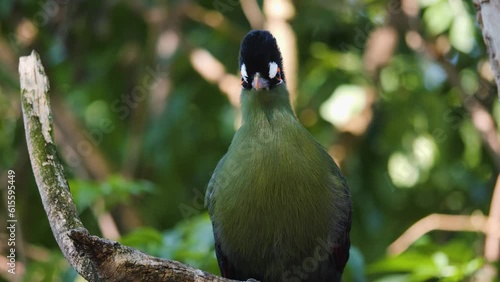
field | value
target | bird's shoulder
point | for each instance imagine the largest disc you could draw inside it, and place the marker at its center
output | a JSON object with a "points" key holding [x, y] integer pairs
{"points": [[213, 180]]}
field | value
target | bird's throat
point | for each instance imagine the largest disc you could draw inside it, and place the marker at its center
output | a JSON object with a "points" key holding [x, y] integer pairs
{"points": [[266, 106]]}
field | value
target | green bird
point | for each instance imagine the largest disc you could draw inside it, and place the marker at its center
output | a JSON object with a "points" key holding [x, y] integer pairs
{"points": [[279, 205]]}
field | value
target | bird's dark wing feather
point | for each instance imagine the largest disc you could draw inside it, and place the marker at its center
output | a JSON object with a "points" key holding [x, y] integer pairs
{"points": [[226, 268], [340, 251]]}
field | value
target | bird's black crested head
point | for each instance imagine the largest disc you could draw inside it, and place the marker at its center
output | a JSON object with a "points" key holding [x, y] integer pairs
{"points": [[261, 64]]}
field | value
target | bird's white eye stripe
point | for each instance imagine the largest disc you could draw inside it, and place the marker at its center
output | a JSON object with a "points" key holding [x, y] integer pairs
{"points": [[243, 71], [273, 69]]}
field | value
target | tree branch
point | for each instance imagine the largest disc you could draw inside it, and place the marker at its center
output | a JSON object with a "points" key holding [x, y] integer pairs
{"points": [[492, 241], [49, 174], [278, 13], [96, 259], [253, 13], [116, 262]]}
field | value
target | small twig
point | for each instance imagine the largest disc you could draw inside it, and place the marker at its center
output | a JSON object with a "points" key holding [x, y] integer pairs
{"points": [[253, 13], [213, 71], [446, 222], [492, 242]]}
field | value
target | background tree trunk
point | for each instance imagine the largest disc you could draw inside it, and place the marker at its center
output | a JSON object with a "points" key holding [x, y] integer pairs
{"points": [[487, 16]]}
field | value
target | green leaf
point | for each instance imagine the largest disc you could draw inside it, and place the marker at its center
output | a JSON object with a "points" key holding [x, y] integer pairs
{"points": [[115, 190], [438, 17], [192, 242], [85, 193], [146, 239]]}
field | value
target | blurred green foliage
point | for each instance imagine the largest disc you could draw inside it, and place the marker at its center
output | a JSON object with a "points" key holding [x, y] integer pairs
{"points": [[419, 153], [452, 261], [113, 190]]}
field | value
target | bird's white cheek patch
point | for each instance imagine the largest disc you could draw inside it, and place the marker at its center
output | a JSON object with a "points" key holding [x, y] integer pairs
{"points": [[243, 71], [273, 69]]}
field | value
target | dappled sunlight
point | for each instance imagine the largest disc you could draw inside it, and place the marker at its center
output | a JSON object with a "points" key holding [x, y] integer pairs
{"points": [[403, 171], [424, 151], [345, 103], [411, 167]]}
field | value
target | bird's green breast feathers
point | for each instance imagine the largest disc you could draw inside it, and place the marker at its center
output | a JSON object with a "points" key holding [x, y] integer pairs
{"points": [[274, 194]]}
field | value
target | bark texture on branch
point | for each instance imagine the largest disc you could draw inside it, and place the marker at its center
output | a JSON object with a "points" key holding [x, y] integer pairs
{"points": [[487, 16], [96, 259], [116, 262], [47, 168]]}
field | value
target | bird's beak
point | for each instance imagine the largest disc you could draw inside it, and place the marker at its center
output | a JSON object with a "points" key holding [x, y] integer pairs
{"points": [[259, 83]]}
